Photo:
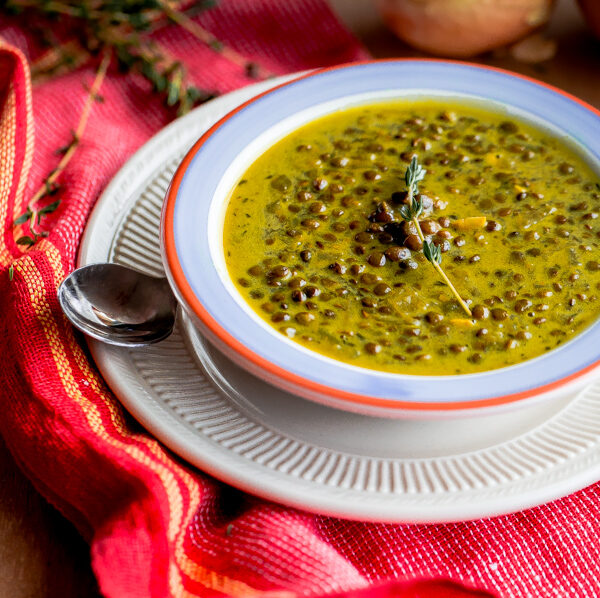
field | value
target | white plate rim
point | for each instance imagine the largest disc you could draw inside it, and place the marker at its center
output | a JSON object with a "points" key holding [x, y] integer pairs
{"points": [[201, 451]]}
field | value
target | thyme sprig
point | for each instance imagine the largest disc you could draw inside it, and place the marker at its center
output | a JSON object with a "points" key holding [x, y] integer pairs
{"points": [[411, 212], [125, 27], [49, 187]]}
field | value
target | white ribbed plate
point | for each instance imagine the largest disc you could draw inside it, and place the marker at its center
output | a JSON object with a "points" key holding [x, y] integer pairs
{"points": [[276, 445]]}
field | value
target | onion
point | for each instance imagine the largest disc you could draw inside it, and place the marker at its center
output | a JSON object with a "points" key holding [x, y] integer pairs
{"points": [[462, 28]]}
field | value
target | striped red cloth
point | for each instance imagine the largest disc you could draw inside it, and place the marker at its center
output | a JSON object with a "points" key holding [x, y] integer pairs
{"points": [[157, 527]]}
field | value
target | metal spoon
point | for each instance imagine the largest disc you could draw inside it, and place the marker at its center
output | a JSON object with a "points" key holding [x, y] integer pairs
{"points": [[118, 305]]}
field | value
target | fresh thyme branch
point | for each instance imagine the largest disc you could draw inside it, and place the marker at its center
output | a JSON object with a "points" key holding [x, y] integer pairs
{"points": [[32, 215], [124, 27], [411, 212]]}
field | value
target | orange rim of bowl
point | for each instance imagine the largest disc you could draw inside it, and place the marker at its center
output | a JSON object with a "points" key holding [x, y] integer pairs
{"points": [[299, 382]]}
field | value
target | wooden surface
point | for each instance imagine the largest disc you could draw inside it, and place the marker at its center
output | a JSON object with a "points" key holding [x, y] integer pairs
{"points": [[41, 554]]}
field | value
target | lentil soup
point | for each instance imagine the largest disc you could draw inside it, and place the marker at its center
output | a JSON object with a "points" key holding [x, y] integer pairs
{"points": [[315, 243]]}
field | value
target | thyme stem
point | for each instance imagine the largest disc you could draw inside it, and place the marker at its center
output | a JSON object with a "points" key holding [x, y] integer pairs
{"points": [[91, 98], [414, 174], [210, 40], [63, 57]]}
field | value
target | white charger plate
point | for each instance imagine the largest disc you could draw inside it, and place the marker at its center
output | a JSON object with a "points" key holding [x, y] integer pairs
{"points": [[279, 446]]}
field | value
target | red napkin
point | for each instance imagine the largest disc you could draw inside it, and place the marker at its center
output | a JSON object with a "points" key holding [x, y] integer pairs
{"points": [[157, 527]]}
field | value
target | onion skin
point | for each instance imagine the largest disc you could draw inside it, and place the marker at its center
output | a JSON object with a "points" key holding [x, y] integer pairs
{"points": [[591, 11], [463, 28]]}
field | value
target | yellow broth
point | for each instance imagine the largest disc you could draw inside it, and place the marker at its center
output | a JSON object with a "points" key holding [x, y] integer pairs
{"points": [[315, 243]]}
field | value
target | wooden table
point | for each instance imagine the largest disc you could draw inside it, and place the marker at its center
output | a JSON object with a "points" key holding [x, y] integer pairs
{"points": [[41, 554]]}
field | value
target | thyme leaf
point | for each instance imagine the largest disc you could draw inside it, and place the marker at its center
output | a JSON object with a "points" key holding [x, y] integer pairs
{"points": [[26, 240], [23, 218], [415, 173], [432, 252]]}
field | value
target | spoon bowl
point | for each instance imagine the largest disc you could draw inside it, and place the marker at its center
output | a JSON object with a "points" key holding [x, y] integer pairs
{"points": [[118, 305]]}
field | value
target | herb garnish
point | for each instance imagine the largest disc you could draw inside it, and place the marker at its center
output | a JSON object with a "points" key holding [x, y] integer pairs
{"points": [[125, 27], [411, 212], [33, 216]]}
